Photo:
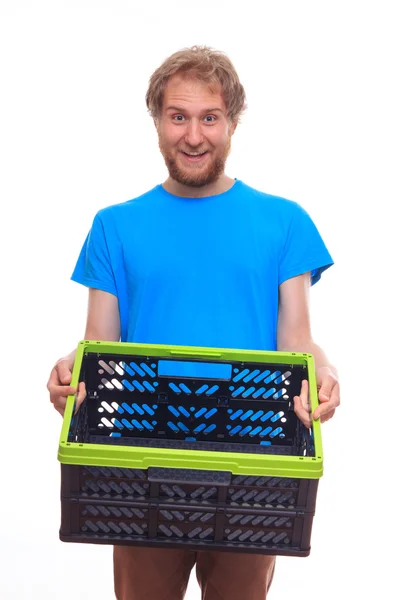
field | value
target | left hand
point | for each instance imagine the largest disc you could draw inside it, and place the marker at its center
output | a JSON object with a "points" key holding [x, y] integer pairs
{"points": [[328, 396]]}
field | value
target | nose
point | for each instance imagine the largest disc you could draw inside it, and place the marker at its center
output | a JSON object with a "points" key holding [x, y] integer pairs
{"points": [[194, 135]]}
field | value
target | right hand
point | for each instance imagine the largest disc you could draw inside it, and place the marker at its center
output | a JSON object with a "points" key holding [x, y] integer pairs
{"points": [[59, 388]]}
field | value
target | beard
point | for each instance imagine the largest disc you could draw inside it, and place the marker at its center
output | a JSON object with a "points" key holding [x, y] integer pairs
{"points": [[192, 176]]}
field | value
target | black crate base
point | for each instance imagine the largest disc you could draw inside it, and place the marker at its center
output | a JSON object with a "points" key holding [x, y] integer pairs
{"points": [[196, 528], [164, 507]]}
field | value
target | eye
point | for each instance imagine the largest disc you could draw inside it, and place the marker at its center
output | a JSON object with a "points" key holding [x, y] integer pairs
{"points": [[178, 118], [210, 119]]}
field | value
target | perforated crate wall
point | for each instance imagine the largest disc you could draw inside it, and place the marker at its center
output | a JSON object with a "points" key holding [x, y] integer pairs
{"points": [[187, 486], [157, 507], [130, 399]]}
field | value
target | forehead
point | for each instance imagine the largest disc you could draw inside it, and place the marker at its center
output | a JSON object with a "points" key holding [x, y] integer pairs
{"points": [[193, 94]]}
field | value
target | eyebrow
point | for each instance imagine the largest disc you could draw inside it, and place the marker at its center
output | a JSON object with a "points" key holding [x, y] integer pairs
{"points": [[207, 110]]}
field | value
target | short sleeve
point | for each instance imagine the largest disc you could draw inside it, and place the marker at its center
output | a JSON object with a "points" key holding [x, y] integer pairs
{"points": [[93, 268], [304, 250]]}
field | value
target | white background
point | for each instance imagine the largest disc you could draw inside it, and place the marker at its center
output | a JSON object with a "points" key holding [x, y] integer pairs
{"points": [[322, 128]]}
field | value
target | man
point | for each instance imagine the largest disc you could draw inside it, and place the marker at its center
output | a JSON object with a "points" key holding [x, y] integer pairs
{"points": [[201, 260]]}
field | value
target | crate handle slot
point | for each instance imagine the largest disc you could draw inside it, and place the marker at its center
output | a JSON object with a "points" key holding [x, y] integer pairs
{"points": [[188, 476]]}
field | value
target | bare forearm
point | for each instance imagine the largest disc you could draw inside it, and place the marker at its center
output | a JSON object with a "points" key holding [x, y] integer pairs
{"points": [[103, 322]]}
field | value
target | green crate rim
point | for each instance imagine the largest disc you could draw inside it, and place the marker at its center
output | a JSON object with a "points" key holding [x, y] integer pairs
{"points": [[73, 453]]}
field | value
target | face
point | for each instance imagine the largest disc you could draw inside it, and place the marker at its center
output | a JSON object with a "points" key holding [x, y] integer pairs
{"points": [[194, 132]]}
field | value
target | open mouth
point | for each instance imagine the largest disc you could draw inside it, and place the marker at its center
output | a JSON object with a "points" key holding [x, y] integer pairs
{"points": [[195, 157]]}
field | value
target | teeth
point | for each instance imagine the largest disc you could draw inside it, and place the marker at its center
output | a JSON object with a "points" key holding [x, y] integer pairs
{"points": [[194, 153]]}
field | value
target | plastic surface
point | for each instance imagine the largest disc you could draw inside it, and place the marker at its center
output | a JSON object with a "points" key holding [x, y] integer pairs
{"points": [[199, 422], [170, 507], [189, 447]]}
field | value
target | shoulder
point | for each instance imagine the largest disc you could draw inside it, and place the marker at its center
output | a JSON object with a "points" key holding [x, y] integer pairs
{"points": [[123, 210], [278, 205]]}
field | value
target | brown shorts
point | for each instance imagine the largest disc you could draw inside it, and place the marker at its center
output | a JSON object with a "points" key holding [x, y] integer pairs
{"points": [[159, 574]]}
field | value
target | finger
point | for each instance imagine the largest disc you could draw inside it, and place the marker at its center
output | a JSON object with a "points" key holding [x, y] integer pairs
{"points": [[326, 388], [301, 405], [81, 395], [60, 375], [323, 410], [60, 391], [64, 372], [60, 400], [328, 416], [304, 394], [53, 379], [59, 404], [328, 406], [301, 412], [324, 395]]}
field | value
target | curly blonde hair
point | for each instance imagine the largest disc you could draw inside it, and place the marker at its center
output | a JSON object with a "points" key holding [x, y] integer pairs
{"points": [[202, 63]]}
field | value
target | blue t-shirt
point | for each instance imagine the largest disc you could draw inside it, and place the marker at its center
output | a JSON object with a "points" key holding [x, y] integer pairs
{"points": [[200, 271]]}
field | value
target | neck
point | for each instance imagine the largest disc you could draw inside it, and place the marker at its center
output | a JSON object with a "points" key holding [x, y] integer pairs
{"points": [[223, 184]]}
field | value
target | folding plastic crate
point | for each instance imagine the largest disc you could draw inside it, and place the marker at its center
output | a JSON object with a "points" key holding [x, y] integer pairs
{"points": [[190, 447]]}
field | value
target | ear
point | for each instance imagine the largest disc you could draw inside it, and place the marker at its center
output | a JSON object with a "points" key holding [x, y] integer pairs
{"points": [[233, 126], [156, 123]]}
